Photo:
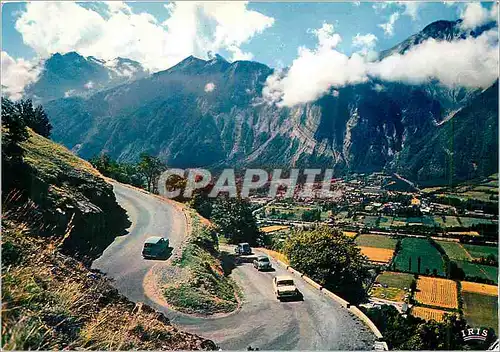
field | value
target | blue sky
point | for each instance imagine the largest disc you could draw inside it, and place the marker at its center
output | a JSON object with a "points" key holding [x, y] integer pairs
{"points": [[323, 45], [278, 44]]}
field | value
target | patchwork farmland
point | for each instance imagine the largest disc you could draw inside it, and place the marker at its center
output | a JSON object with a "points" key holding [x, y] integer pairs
{"points": [[437, 292], [377, 248], [431, 260]]}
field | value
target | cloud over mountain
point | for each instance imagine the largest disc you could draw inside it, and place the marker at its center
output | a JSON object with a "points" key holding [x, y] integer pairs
{"points": [[471, 62], [193, 28]]}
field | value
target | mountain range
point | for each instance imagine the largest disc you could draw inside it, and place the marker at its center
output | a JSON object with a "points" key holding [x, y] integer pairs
{"points": [[210, 113]]}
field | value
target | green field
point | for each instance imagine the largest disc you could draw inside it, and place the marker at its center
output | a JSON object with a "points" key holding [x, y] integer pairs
{"points": [[396, 283], [446, 221], [399, 222], [378, 241], [469, 222], [484, 271], [481, 310], [454, 250], [385, 221], [418, 247], [393, 279], [370, 221], [481, 251]]}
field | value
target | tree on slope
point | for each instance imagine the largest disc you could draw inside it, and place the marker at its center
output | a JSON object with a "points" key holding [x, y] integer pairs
{"points": [[234, 218], [329, 258]]}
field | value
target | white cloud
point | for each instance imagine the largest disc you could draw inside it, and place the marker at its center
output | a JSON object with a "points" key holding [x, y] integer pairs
{"points": [[209, 87], [411, 8], [389, 26], [365, 43], [475, 15], [471, 62], [89, 85], [238, 54], [193, 28], [315, 71], [16, 75]]}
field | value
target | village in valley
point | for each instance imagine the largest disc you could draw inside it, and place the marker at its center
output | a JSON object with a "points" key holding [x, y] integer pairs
{"points": [[430, 250]]}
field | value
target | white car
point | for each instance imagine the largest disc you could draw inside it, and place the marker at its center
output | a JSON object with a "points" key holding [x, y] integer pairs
{"points": [[284, 287]]}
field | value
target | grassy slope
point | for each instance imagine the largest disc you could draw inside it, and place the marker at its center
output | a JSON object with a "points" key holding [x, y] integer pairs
{"points": [[200, 285], [52, 301], [69, 192]]}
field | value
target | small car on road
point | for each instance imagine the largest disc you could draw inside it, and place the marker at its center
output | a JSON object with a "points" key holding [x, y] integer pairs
{"points": [[284, 287], [155, 247], [243, 248], [262, 262]]}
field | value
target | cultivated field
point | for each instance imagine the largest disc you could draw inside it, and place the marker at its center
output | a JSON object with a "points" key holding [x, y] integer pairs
{"points": [[417, 247], [269, 229], [483, 289], [428, 313], [396, 283], [481, 251], [469, 222], [381, 255], [484, 271], [378, 241], [446, 221], [481, 310], [437, 292], [350, 234], [454, 250]]}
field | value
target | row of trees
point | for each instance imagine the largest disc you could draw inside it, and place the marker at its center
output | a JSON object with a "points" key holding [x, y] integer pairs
{"points": [[144, 173]]}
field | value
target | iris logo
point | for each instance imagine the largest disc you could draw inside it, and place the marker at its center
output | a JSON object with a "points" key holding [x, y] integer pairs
{"points": [[475, 334]]}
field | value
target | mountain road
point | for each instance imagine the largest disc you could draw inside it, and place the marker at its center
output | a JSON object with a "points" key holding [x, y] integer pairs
{"points": [[262, 321]]}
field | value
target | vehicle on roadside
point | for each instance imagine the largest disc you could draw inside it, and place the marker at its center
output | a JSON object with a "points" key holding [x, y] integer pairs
{"points": [[284, 287], [155, 247], [243, 248], [262, 262]]}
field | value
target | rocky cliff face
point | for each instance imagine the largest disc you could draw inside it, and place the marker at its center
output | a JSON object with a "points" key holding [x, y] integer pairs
{"points": [[211, 113], [72, 199]]}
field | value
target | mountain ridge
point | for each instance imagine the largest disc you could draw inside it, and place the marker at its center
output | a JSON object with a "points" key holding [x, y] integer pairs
{"points": [[211, 113]]}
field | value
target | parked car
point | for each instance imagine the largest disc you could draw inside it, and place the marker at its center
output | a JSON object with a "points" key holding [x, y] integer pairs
{"points": [[284, 287], [262, 262], [155, 247], [243, 248]]}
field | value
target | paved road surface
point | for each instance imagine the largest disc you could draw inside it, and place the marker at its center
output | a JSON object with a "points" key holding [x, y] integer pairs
{"points": [[317, 323]]}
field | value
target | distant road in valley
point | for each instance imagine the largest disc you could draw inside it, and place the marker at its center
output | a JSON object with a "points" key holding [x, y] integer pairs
{"points": [[317, 323]]}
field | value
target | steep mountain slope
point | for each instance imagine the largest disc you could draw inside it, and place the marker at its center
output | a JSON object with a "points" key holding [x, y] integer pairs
{"points": [[72, 74], [211, 113]]}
